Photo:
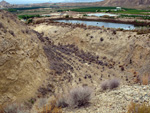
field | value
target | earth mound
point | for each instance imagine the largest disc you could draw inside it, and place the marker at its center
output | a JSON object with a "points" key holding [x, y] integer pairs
{"points": [[23, 64]]}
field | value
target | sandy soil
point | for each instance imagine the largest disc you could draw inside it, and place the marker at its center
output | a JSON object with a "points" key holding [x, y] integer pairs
{"points": [[82, 56]]}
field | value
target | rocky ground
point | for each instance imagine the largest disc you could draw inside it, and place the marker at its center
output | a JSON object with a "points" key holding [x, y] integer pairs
{"points": [[53, 59], [82, 56], [115, 101]]}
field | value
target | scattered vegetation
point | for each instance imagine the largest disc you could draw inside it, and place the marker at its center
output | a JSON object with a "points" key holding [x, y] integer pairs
{"points": [[138, 108], [135, 16], [142, 31], [27, 16]]}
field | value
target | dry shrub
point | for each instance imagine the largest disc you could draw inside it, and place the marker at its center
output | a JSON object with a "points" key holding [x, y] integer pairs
{"points": [[142, 31], [111, 84], [62, 102], [51, 108], [145, 79], [138, 108], [104, 85], [114, 83], [42, 102], [79, 96], [15, 108]]}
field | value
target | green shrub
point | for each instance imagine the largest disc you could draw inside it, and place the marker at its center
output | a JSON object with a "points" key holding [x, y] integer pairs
{"points": [[85, 15], [67, 16], [27, 16]]}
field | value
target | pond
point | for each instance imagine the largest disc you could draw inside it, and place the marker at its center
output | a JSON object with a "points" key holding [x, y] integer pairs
{"points": [[101, 14], [100, 24]]}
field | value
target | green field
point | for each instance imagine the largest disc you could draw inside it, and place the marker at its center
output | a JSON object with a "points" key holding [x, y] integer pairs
{"points": [[112, 10], [30, 12], [92, 9]]}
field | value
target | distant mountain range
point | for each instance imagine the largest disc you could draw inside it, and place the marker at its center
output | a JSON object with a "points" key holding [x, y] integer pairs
{"points": [[121, 3], [4, 4], [126, 3]]}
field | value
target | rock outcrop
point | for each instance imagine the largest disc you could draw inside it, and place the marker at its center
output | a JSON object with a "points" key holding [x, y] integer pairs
{"points": [[23, 64]]}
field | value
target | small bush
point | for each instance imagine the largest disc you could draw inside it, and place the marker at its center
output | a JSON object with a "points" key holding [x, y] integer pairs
{"points": [[85, 15], [104, 85], [138, 108], [67, 16], [62, 102], [80, 96], [51, 108], [114, 83], [42, 102], [15, 108]]}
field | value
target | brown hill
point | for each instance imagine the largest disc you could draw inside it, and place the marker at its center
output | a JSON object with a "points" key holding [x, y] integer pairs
{"points": [[126, 3], [22, 60], [122, 3]]}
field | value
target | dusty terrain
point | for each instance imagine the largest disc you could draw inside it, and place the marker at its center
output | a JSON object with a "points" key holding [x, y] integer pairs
{"points": [[74, 55], [23, 64], [85, 56]]}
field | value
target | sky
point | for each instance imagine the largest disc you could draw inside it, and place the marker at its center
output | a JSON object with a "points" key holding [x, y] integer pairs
{"points": [[42, 1]]}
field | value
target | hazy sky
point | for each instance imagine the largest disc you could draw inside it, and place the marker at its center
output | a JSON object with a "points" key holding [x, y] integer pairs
{"points": [[42, 1]]}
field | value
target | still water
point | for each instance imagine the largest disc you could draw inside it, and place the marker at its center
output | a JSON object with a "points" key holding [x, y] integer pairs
{"points": [[101, 14], [95, 23]]}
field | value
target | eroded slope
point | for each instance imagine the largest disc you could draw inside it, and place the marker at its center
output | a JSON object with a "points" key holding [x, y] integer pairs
{"points": [[23, 64]]}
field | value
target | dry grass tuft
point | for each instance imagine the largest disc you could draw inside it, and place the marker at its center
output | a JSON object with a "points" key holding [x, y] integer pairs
{"points": [[145, 79], [138, 108], [51, 108]]}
